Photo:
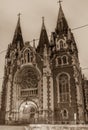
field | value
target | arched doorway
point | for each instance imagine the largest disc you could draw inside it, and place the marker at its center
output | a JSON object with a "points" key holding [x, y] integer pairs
{"points": [[28, 112], [26, 90]]}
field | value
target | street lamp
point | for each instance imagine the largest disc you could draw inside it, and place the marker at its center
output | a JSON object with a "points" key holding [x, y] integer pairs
{"points": [[26, 105]]}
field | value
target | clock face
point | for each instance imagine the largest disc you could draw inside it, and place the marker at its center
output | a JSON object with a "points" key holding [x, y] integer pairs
{"points": [[28, 77]]}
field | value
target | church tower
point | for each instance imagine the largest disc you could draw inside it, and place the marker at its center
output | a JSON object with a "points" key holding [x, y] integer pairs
{"points": [[68, 95], [47, 79], [11, 65]]}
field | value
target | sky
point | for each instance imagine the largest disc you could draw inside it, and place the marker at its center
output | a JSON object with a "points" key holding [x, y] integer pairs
{"points": [[76, 13]]}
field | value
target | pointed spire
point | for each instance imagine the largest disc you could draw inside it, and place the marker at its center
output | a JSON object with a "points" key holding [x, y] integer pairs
{"points": [[34, 57], [45, 55], [61, 14], [69, 34], [43, 40], [62, 25], [43, 24], [34, 45], [18, 34]]}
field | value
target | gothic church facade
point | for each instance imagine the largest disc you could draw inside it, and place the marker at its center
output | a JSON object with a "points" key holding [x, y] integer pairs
{"points": [[43, 84]]}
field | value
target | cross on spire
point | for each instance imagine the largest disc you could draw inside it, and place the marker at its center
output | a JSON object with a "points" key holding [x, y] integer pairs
{"points": [[43, 19], [59, 2], [43, 25], [18, 34], [19, 15]]}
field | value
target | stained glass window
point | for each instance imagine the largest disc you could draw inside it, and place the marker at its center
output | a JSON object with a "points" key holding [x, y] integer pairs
{"points": [[64, 88]]}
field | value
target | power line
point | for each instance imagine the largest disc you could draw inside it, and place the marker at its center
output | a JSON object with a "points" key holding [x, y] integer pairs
{"points": [[3, 51], [80, 27], [85, 69], [50, 35]]}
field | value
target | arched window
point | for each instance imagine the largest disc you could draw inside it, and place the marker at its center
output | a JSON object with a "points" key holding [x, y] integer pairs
{"points": [[64, 88], [61, 44], [27, 56], [65, 60], [64, 114], [59, 61]]}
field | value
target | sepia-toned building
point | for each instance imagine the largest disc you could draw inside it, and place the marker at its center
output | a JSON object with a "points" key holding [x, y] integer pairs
{"points": [[43, 84]]}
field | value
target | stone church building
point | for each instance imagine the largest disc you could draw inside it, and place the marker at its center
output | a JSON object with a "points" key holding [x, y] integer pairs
{"points": [[44, 84]]}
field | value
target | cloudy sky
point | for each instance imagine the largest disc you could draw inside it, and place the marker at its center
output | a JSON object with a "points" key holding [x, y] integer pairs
{"points": [[76, 12]]}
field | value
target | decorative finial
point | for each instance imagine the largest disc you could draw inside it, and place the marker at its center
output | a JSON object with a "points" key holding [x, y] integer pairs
{"points": [[19, 15], [59, 2], [43, 19], [69, 34], [43, 24], [34, 44]]}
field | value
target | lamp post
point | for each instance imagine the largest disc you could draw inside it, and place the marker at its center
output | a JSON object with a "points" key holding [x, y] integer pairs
{"points": [[26, 105], [27, 114]]}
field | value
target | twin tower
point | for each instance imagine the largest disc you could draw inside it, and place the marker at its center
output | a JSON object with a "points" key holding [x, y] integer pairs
{"points": [[43, 84]]}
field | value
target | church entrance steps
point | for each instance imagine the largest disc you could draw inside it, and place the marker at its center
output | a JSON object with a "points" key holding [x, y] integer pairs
{"points": [[5, 127], [45, 127]]}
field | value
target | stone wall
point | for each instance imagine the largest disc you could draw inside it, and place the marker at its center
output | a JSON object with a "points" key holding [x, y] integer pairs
{"points": [[57, 127]]}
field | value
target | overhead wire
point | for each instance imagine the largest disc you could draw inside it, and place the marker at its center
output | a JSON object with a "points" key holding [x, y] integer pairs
{"points": [[3, 51], [49, 36], [1, 78], [80, 27], [85, 69]]}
